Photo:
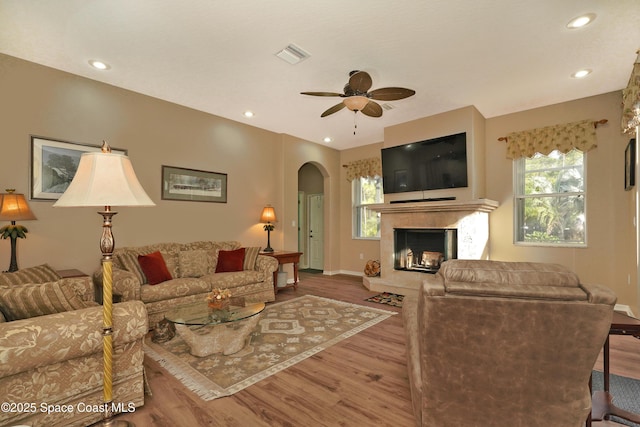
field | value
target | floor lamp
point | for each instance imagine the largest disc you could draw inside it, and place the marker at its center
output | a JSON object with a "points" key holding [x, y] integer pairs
{"points": [[105, 179]]}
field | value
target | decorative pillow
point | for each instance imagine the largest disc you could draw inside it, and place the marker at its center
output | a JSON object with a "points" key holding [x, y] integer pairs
{"points": [[193, 263], [230, 260], [130, 262], [39, 274], [250, 256], [40, 299], [154, 268], [171, 260]]}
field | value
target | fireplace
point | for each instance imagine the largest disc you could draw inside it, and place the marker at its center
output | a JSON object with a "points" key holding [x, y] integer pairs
{"points": [[457, 229], [423, 249]]}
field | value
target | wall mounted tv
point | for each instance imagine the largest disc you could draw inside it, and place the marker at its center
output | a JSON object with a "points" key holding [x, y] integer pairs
{"points": [[426, 165]]}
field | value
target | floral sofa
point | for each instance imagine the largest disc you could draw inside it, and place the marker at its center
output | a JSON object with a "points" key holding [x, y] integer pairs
{"points": [[51, 350], [164, 275]]}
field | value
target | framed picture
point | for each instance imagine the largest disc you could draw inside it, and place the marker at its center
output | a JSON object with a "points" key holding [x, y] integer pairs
{"points": [[193, 185], [630, 165], [54, 164]]}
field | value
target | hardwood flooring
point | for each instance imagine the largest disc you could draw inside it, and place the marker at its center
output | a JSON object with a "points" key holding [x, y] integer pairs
{"points": [[360, 381]]}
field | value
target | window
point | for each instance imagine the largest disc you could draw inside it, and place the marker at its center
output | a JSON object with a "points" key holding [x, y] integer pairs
{"points": [[366, 191], [550, 199]]}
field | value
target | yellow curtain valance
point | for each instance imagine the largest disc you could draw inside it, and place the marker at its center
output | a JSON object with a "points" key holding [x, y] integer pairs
{"points": [[364, 168], [631, 100], [564, 137]]}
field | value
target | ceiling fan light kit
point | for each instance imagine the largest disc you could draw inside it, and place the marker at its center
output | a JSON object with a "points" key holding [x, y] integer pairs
{"points": [[356, 103]]}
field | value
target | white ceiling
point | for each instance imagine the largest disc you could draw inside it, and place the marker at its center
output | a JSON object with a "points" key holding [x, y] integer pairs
{"points": [[216, 56]]}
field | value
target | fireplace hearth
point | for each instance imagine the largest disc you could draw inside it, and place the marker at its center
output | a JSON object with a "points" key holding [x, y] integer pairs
{"points": [[424, 249]]}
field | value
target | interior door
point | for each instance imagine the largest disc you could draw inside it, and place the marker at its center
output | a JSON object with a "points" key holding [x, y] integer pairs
{"points": [[315, 209], [302, 230]]}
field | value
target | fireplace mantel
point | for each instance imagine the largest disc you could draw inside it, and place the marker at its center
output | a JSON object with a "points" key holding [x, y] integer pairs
{"points": [[479, 205], [470, 218]]}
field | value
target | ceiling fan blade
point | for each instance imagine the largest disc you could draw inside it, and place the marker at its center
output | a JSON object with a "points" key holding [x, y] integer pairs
{"points": [[321, 93], [391, 93], [372, 109], [360, 81], [333, 109]]}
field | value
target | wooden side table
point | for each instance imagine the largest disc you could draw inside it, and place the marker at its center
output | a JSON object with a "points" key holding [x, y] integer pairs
{"points": [[285, 257], [602, 404]]}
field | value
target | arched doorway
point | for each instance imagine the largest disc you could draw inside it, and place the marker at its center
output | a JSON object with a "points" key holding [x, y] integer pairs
{"points": [[311, 217]]}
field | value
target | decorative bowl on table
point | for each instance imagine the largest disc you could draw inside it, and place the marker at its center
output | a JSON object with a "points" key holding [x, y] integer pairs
{"points": [[219, 299]]}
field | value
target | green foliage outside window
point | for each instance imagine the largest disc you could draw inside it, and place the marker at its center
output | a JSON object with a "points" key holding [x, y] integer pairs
{"points": [[550, 199], [367, 191]]}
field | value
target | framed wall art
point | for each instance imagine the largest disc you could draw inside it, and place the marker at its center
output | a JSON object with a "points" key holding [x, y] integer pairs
{"points": [[193, 185], [630, 165], [54, 164]]}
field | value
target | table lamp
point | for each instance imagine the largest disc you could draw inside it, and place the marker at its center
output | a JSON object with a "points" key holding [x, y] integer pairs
{"points": [[105, 179], [268, 217], [14, 207]]}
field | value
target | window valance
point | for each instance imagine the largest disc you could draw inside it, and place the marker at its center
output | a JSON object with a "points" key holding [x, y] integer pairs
{"points": [[563, 137], [631, 100], [364, 168]]}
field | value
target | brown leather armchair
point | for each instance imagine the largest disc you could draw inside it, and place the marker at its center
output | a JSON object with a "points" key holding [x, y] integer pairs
{"points": [[512, 344]]}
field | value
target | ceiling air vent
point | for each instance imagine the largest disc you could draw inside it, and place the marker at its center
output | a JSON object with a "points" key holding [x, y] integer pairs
{"points": [[293, 54], [387, 106]]}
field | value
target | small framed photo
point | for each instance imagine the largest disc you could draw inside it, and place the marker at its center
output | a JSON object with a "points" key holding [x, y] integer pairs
{"points": [[630, 165], [54, 164], [193, 185]]}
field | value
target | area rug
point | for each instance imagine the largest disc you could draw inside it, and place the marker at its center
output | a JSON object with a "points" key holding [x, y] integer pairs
{"points": [[387, 298], [287, 333], [625, 392]]}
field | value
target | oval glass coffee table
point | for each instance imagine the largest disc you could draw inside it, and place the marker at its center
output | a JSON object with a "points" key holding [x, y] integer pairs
{"points": [[209, 331]]}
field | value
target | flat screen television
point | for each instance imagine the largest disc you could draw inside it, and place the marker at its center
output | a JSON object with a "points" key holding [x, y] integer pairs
{"points": [[432, 164]]}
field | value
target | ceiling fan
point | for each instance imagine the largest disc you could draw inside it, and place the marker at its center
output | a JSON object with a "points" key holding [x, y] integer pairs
{"points": [[358, 98]]}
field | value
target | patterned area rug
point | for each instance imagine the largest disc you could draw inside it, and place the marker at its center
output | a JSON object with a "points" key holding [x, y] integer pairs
{"points": [[387, 298], [625, 392], [287, 333]]}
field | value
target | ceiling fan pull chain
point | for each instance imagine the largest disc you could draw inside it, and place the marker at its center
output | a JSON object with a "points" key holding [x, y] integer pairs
{"points": [[355, 121]]}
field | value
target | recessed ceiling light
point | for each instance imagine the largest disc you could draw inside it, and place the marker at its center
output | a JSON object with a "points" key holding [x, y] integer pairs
{"points": [[581, 74], [99, 64], [327, 139], [248, 113], [581, 21]]}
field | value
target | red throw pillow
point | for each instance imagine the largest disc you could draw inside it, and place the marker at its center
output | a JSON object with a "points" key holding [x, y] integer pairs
{"points": [[154, 267], [230, 260]]}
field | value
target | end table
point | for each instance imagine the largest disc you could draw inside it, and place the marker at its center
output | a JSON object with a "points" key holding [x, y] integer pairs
{"points": [[602, 405], [285, 257]]}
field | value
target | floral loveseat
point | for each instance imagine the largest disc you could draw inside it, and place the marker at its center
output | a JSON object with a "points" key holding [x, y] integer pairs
{"points": [[51, 350], [164, 275]]}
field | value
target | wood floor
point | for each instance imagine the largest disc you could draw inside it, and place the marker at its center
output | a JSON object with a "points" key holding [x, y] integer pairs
{"points": [[361, 381]]}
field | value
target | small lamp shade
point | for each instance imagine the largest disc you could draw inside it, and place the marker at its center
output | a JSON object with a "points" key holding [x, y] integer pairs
{"points": [[104, 179], [268, 215], [14, 207]]}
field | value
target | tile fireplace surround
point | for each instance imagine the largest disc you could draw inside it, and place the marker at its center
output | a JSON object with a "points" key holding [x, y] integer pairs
{"points": [[470, 218]]}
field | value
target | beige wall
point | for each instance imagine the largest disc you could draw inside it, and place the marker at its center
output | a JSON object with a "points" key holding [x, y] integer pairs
{"points": [[352, 248], [296, 153], [41, 101], [610, 256], [262, 168]]}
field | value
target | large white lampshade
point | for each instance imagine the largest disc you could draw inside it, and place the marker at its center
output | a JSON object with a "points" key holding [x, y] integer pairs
{"points": [[104, 179]]}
